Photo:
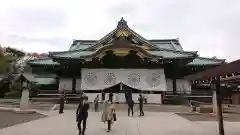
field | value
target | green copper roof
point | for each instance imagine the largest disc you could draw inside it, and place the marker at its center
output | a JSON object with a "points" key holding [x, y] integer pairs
{"points": [[205, 61], [74, 54], [28, 76], [47, 61], [161, 53], [45, 80], [168, 54], [82, 44], [40, 78]]}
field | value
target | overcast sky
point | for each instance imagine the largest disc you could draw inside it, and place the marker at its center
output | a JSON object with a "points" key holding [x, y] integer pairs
{"points": [[211, 27]]}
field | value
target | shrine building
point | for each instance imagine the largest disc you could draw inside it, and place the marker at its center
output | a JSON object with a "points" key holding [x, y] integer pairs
{"points": [[120, 61]]}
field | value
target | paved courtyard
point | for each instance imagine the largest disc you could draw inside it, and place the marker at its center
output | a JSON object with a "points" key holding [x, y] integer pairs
{"points": [[154, 123]]}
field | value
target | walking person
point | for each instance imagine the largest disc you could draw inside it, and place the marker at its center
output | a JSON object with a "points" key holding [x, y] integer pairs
{"points": [[111, 97], [130, 106], [96, 100], [140, 99], [104, 113], [103, 96], [126, 97], [109, 115], [82, 115], [61, 100]]}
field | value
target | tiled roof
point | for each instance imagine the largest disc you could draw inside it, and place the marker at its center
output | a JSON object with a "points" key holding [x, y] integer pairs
{"points": [[46, 61], [79, 47], [168, 54], [161, 53], [40, 79], [121, 27], [45, 80], [28, 76], [161, 44], [171, 44], [205, 61], [74, 54]]}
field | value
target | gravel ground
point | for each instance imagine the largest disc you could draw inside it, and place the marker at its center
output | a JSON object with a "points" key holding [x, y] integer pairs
{"points": [[209, 117], [8, 118]]}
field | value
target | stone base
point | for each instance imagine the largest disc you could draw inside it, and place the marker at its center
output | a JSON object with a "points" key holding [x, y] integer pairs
{"points": [[17, 110], [205, 109], [29, 111]]}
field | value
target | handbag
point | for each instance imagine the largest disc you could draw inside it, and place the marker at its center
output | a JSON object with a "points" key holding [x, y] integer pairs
{"points": [[114, 116]]}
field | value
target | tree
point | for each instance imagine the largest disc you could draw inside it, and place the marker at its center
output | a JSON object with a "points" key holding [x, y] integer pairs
{"points": [[4, 64]]}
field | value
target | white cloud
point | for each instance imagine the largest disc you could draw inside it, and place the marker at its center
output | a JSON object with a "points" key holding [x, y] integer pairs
{"points": [[208, 26]]}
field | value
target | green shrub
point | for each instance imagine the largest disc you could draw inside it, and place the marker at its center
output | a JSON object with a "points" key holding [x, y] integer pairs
{"points": [[34, 89], [13, 94], [178, 100], [16, 86]]}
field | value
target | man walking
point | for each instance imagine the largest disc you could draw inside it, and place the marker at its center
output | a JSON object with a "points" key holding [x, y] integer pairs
{"points": [[61, 100], [103, 96], [111, 97], [140, 99], [96, 100], [130, 106], [82, 115]]}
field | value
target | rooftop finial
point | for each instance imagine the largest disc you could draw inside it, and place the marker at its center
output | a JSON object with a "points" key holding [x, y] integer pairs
{"points": [[122, 23]]}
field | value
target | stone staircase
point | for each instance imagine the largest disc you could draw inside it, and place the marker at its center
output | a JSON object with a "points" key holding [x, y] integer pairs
{"points": [[53, 97]]}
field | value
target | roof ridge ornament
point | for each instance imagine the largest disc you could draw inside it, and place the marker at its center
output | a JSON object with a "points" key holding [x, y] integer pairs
{"points": [[122, 23]]}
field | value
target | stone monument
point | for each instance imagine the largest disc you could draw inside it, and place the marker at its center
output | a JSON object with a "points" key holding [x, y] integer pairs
{"points": [[214, 101], [24, 104]]}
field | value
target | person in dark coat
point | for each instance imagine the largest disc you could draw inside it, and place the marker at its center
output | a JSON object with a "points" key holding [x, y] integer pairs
{"points": [[96, 100], [126, 97], [82, 115], [130, 106], [103, 96], [130, 95], [61, 101], [111, 97], [140, 99]]}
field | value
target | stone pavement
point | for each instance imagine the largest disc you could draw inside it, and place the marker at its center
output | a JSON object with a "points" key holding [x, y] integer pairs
{"points": [[154, 123]]}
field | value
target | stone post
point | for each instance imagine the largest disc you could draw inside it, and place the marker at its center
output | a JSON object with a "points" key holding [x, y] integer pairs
{"points": [[24, 103], [214, 101]]}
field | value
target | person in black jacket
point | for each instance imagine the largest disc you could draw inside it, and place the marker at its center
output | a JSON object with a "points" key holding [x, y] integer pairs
{"points": [[140, 99], [82, 115], [130, 105], [61, 100], [111, 97], [103, 96]]}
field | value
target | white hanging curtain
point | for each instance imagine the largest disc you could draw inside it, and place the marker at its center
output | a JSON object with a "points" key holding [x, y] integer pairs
{"points": [[142, 79], [145, 79], [98, 79], [65, 83]]}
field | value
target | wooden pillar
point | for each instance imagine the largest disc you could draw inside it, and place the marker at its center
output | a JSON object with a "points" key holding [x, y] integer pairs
{"points": [[74, 84], [80, 76], [174, 82], [219, 107]]}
